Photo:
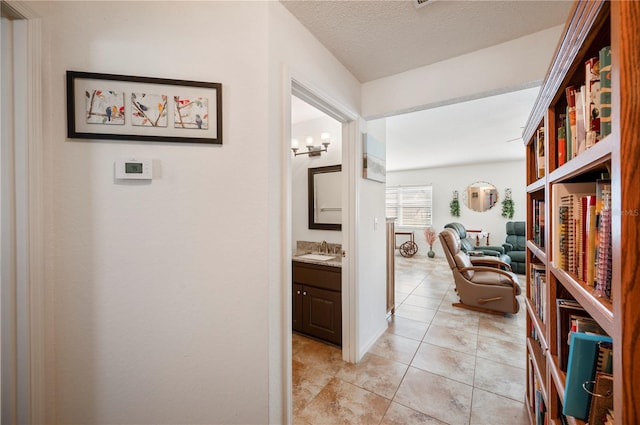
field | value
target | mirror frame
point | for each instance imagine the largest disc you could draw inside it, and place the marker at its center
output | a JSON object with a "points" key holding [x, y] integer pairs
{"points": [[311, 190], [465, 196]]}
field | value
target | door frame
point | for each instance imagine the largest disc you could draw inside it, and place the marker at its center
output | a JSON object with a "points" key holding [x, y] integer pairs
{"points": [[28, 402], [298, 86]]}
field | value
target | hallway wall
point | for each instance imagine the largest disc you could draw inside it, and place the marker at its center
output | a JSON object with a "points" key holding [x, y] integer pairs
{"points": [[165, 294]]}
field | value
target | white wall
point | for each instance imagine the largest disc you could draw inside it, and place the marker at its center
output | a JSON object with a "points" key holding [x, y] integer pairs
{"points": [[447, 179], [518, 63], [157, 316], [161, 291], [300, 165], [372, 235]]}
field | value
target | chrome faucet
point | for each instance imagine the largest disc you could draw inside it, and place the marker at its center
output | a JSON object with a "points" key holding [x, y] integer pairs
{"points": [[324, 247]]}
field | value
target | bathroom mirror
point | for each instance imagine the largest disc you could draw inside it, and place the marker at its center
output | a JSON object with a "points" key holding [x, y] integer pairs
{"points": [[325, 197], [480, 196]]}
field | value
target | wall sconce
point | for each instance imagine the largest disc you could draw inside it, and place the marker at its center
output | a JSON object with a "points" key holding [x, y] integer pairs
{"points": [[311, 149]]}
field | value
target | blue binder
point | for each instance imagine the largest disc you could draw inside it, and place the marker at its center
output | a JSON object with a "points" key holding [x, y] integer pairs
{"points": [[583, 358]]}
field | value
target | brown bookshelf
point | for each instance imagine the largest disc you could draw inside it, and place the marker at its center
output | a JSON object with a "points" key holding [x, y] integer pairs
{"points": [[591, 26]]}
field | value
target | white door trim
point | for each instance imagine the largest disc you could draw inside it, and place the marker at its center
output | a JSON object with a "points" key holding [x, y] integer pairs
{"points": [[350, 129], [29, 176]]}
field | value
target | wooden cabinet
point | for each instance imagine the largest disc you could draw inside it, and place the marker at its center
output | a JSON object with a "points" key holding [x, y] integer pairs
{"points": [[592, 26], [317, 301]]}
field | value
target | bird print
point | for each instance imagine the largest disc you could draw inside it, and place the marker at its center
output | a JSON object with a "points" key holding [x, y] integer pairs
{"points": [[198, 121], [108, 111]]}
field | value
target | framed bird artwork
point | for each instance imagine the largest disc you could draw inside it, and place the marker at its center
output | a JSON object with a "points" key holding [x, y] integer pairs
{"points": [[125, 107]]}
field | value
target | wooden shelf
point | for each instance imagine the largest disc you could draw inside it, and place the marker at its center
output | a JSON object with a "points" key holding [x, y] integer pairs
{"points": [[593, 158], [558, 376], [601, 309], [536, 186], [537, 324], [537, 251], [540, 366]]}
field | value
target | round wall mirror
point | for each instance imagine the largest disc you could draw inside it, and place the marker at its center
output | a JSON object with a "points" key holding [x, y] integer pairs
{"points": [[480, 196]]}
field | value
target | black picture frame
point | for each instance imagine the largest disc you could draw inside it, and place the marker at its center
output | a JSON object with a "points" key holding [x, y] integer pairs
{"points": [[130, 121], [311, 194]]}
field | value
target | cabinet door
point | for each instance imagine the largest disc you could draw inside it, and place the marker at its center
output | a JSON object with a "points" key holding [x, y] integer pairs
{"points": [[296, 312], [322, 314]]}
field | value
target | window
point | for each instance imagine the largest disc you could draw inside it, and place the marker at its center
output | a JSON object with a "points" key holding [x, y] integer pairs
{"points": [[410, 204]]}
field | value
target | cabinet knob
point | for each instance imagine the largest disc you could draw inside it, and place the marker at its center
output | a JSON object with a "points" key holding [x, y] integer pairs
{"points": [[304, 293], [298, 292]]}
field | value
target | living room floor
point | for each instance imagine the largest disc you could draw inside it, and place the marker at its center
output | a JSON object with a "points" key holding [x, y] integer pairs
{"points": [[435, 363]]}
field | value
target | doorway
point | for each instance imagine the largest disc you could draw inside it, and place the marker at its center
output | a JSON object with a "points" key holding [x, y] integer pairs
{"points": [[340, 150]]}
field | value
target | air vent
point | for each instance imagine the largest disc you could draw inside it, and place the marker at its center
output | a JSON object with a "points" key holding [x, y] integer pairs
{"points": [[420, 3]]}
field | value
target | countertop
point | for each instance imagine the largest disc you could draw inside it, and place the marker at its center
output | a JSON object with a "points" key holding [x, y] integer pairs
{"points": [[334, 262]]}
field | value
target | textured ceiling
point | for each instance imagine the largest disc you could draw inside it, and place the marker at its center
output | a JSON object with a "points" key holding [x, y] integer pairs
{"points": [[375, 39]]}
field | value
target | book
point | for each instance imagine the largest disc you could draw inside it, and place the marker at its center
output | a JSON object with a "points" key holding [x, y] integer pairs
{"points": [[603, 260], [592, 99], [538, 222], [581, 368], [605, 91], [539, 407], [568, 136], [562, 141], [603, 402], [565, 310], [572, 141], [540, 150], [580, 120], [605, 357], [589, 228], [538, 289]]}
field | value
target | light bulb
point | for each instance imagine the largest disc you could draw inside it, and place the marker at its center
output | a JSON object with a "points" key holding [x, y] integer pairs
{"points": [[325, 136], [294, 143], [309, 141]]}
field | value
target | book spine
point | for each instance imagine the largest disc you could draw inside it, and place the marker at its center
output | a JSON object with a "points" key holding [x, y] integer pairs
{"points": [[580, 120], [572, 140], [592, 82], [605, 91], [562, 142], [541, 152]]}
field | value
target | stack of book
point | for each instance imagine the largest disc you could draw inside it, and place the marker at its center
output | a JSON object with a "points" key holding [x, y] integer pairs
{"points": [[582, 232], [572, 317], [587, 118]]}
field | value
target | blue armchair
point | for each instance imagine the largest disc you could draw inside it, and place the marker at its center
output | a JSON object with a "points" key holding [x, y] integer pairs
{"points": [[515, 246]]}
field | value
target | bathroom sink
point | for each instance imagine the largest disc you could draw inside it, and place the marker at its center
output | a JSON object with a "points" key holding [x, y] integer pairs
{"points": [[317, 257]]}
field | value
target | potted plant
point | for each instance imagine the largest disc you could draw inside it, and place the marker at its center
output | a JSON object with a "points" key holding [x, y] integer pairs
{"points": [[454, 205], [430, 236], [507, 205]]}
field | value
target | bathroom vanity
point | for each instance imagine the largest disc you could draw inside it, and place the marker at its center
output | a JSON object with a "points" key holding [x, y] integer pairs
{"points": [[317, 297]]}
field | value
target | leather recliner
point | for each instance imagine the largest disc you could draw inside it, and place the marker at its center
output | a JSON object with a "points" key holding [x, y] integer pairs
{"points": [[467, 246], [515, 246], [480, 288]]}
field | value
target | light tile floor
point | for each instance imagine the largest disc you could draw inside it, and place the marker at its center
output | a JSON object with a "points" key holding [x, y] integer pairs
{"points": [[435, 364]]}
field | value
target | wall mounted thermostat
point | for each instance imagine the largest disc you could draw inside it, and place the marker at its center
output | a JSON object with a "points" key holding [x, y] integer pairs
{"points": [[138, 169]]}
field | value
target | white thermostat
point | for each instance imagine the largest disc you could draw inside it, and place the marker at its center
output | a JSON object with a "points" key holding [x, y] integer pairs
{"points": [[139, 169]]}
